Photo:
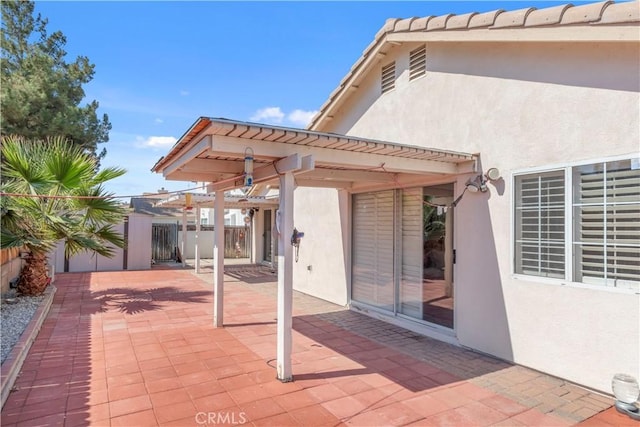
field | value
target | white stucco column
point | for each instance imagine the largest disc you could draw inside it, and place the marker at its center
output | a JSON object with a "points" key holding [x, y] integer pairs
{"points": [[285, 278], [197, 251], [218, 259], [183, 241]]}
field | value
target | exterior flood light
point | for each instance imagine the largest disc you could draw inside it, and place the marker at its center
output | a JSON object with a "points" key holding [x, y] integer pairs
{"points": [[477, 184], [492, 174], [625, 389]]}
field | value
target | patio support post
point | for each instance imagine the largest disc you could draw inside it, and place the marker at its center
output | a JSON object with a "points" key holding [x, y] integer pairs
{"points": [[184, 238], [285, 278], [197, 254], [218, 258]]}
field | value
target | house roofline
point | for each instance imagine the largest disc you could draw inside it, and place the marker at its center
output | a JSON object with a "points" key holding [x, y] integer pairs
{"points": [[606, 22]]}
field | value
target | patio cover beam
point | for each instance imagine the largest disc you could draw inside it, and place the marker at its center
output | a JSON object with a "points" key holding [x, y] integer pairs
{"points": [[228, 146]]}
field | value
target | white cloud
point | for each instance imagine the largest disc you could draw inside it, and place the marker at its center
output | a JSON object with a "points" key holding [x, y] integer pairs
{"points": [[158, 120], [156, 141], [269, 115], [184, 92], [301, 117]]}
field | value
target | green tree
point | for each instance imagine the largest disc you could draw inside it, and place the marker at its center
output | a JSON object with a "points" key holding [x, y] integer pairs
{"points": [[53, 192], [40, 91]]}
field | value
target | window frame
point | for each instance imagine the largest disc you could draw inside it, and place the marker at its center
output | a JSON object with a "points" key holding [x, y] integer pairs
{"points": [[567, 168]]}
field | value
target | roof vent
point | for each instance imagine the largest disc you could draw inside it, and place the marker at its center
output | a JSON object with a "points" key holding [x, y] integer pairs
{"points": [[388, 77], [417, 62]]}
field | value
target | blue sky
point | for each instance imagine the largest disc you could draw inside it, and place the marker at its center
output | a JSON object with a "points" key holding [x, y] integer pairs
{"points": [[161, 65]]}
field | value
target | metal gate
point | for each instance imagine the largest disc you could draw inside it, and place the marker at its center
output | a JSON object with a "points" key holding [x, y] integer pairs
{"points": [[237, 241], [164, 241]]}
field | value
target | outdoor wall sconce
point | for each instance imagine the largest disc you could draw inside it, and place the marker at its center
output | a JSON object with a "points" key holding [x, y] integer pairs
{"points": [[248, 167], [625, 389]]}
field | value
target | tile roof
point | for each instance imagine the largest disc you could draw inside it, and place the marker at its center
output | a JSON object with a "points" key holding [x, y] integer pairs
{"points": [[469, 26]]}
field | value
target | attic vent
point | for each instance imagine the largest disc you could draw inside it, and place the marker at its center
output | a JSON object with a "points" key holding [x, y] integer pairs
{"points": [[388, 77], [417, 62]]}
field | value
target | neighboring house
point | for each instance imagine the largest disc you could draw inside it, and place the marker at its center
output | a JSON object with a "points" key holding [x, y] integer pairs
{"points": [[534, 255]]}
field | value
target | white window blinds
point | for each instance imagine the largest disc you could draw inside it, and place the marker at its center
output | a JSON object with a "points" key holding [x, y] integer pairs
{"points": [[607, 224], [539, 223], [373, 255]]}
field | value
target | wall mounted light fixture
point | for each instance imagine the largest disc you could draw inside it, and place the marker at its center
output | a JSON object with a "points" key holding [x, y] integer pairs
{"points": [[478, 184]]}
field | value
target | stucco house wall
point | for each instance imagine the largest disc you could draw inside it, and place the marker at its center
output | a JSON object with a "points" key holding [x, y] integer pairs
{"points": [[323, 258], [519, 105]]}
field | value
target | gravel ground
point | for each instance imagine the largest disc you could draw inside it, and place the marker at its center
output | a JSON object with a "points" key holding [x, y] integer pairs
{"points": [[17, 311]]}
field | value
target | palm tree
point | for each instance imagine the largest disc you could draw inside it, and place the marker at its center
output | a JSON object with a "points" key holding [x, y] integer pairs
{"points": [[52, 191]]}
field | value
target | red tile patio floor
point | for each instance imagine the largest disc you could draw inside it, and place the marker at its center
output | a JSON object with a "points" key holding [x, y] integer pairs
{"points": [[139, 348]]}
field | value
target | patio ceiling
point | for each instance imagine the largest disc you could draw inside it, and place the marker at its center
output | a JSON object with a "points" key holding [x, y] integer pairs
{"points": [[213, 151]]}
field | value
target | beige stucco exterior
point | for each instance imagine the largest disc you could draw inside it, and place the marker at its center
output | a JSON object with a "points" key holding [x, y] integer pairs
{"points": [[519, 105]]}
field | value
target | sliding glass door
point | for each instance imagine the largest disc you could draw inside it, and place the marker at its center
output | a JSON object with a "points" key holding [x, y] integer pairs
{"points": [[403, 252]]}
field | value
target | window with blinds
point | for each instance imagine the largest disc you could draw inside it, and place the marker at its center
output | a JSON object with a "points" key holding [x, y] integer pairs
{"points": [[540, 224], [607, 224], [603, 221], [417, 62], [388, 77]]}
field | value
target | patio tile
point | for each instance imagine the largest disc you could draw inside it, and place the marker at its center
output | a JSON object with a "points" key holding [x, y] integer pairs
{"points": [[165, 398], [352, 385], [175, 411], [214, 402], [249, 394], [314, 416], [394, 414], [504, 405], [96, 415], [165, 365], [165, 384], [426, 405], [139, 419], [326, 392], [344, 407], [295, 400], [126, 379], [280, 420], [236, 382], [205, 389], [129, 405], [261, 409], [126, 391]]}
